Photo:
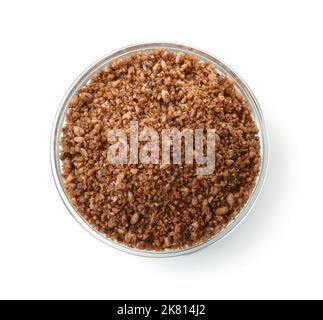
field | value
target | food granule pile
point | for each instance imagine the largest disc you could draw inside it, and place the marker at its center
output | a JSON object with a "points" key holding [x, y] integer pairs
{"points": [[154, 206]]}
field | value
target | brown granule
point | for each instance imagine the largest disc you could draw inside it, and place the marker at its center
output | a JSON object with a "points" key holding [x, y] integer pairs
{"points": [[158, 207]]}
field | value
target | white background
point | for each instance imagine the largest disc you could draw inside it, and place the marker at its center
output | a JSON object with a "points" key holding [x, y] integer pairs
{"points": [[277, 48]]}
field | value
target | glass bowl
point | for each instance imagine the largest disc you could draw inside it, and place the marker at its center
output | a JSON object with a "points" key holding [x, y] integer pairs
{"points": [[100, 64]]}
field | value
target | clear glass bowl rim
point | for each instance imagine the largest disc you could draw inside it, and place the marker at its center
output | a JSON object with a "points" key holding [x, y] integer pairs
{"points": [[99, 64]]}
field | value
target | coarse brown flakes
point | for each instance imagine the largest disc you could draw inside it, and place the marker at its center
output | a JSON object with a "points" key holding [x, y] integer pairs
{"points": [[159, 206]]}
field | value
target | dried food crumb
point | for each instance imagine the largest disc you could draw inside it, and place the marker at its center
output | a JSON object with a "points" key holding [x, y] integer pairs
{"points": [[159, 206]]}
